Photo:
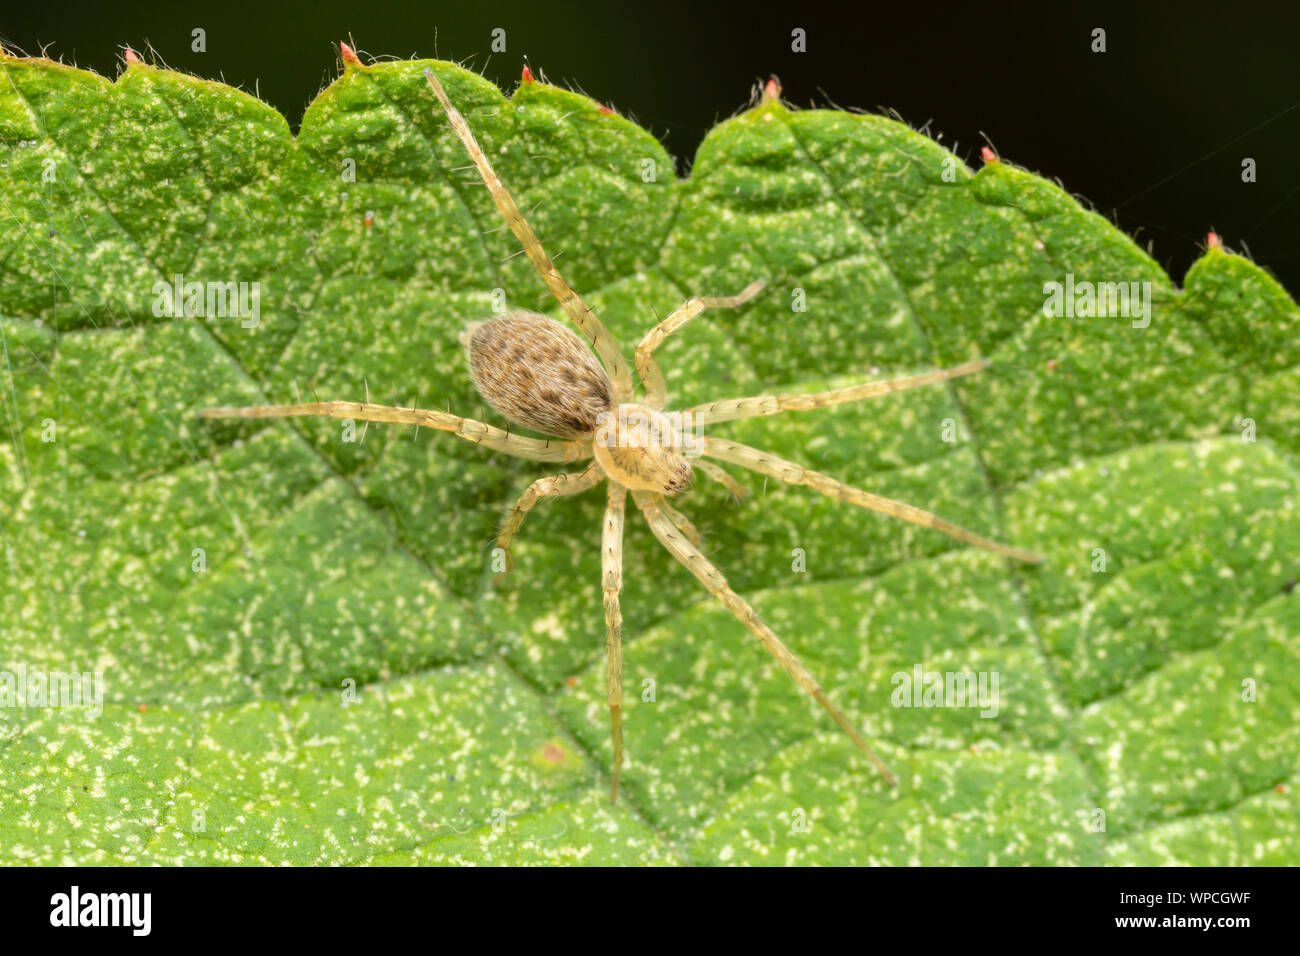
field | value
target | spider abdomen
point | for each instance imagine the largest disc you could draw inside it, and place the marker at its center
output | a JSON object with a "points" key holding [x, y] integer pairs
{"points": [[537, 373]]}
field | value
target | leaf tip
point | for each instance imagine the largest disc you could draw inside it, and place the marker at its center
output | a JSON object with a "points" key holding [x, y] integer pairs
{"points": [[772, 90], [131, 58], [988, 155], [1213, 240], [527, 75], [349, 55]]}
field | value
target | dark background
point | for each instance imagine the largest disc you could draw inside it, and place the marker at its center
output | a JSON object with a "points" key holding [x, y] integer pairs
{"points": [[1151, 132]]}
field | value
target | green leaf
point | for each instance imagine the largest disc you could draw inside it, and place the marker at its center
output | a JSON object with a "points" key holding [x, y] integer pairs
{"points": [[479, 732]]}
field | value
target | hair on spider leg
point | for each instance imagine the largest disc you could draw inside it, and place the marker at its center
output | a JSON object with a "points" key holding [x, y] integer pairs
{"points": [[415, 432]]}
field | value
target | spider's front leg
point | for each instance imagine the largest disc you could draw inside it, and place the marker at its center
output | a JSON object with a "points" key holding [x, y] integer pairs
{"points": [[695, 562], [611, 568], [684, 524], [765, 463]]}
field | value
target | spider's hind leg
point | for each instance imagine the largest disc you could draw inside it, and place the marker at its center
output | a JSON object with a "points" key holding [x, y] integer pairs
{"points": [[476, 432], [728, 410]]}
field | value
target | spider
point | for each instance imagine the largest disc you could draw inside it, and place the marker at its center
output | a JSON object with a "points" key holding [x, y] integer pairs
{"points": [[537, 373]]}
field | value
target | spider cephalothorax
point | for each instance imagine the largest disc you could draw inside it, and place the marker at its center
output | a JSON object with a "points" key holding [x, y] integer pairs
{"points": [[643, 449], [539, 374]]}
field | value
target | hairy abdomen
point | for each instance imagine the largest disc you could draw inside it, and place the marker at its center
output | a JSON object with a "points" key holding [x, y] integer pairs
{"points": [[537, 373]]}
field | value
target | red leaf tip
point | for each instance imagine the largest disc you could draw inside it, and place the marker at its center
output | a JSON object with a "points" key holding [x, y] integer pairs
{"points": [[604, 110], [771, 90], [349, 55], [1213, 241], [527, 74], [131, 58], [988, 155]]}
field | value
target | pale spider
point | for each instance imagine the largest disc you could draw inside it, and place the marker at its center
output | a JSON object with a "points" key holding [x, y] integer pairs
{"points": [[538, 374]]}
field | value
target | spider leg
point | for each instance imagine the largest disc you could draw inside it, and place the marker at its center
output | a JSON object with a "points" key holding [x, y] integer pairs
{"points": [[712, 578], [611, 566], [721, 476], [683, 523], [768, 464], [480, 433], [577, 310], [548, 487], [758, 405], [656, 390]]}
